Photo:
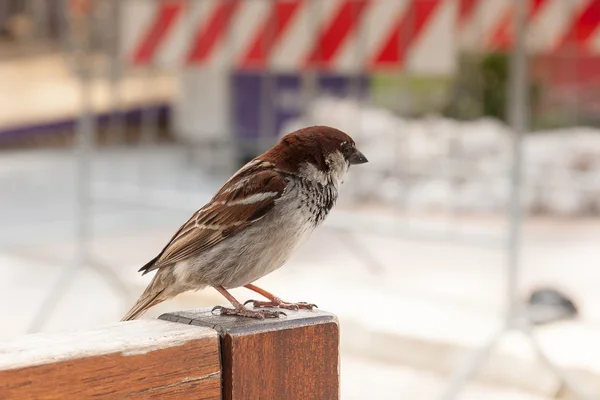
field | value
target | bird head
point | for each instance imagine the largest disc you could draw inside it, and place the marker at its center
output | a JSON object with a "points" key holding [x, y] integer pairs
{"points": [[318, 153]]}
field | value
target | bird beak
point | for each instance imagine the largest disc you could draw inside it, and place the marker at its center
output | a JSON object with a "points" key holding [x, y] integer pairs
{"points": [[357, 158]]}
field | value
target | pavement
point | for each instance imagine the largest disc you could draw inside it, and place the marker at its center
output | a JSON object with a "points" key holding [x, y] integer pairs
{"points": [[365, 379]]}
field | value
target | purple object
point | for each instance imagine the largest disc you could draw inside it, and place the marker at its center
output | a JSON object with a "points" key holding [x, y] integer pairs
{"points": [[132, 116], [285, 102]]}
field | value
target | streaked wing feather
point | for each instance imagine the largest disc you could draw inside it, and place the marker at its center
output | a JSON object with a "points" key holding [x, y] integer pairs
{"points": [[229, 212]]}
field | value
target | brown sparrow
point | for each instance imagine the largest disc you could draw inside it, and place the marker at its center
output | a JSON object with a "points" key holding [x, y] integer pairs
{"points": [[254, 222]]}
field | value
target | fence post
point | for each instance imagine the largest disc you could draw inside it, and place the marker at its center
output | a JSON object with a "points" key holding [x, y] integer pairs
{"points": [[295, 357]]}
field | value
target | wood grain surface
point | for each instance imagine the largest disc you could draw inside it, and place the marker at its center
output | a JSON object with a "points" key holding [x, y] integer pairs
{"points": [[289, 358], [134, 360]]}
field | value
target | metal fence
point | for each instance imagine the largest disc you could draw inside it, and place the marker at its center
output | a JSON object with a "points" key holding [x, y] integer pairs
{"points": [[216, 82]]}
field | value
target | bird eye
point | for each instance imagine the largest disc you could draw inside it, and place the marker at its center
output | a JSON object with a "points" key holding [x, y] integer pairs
{"points": [[347, 149]]}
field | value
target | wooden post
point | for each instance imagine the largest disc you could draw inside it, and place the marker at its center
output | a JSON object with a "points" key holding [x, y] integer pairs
{"points": [[295, 357], [144, 359], [289, 358]]}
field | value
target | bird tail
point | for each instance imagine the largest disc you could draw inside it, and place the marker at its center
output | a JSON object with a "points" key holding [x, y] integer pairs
{"points": [[155, 293]]}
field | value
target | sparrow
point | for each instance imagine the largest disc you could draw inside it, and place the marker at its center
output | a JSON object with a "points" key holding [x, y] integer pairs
{"points": [[254, 223]]}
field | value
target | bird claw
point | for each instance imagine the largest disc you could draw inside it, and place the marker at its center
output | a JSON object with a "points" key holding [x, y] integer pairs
{"points": [[244, 312], [216, 308], [307, 306], [282, 304]]}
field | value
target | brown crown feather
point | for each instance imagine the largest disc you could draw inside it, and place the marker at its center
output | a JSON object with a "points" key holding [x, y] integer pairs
{"points": [[312, 144]]}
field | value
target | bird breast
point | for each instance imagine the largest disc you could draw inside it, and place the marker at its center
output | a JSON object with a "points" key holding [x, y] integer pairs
{"points": [[265, 245], [302, 208]]}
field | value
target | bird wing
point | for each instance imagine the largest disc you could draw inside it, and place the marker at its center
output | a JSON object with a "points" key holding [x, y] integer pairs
{"points": [[245, 199]]}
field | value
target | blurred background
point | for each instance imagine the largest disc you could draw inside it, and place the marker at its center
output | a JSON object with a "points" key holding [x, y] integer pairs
{"points": [[119, 118]]}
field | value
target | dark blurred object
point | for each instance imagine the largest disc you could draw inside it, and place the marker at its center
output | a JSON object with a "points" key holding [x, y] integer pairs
{"points": [[10, 11], [547, 305], [481, 88], [61, 132], [26, 21]]}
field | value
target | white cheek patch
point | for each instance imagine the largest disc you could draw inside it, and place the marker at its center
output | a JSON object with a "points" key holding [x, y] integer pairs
{"points": [[312, 173], [338, 167]]}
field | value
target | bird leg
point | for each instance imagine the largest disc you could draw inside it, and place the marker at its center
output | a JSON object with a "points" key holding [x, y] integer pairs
{"points": [[240, 310], [275, 301]]}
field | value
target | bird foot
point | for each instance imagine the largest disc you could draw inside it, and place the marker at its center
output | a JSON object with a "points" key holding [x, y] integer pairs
{"points": [[277, 302], [244, 312]]}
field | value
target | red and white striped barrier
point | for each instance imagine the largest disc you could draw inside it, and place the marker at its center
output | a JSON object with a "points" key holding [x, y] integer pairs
{"points": [[293, 35], [421, 36], [553, 25]]}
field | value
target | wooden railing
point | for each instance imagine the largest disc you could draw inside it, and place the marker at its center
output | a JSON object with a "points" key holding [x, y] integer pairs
{"points": [[183, 355]]}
